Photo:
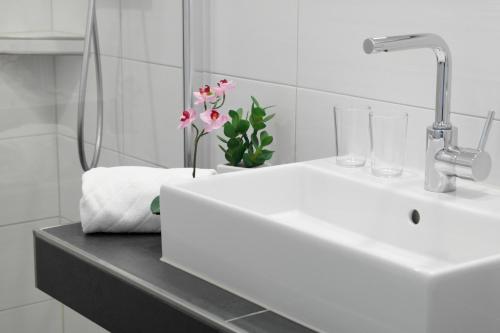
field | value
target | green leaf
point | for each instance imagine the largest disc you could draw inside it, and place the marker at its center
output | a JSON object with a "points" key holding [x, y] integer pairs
{"points": [[247, 162], [255, 140], [234, 143], [234, 115], [223, 149], [255, 102], [221, 139], [243, 126], [267, 154], [240, 112], [229, 130], [265, 139], [155, 206], [267, 118], [234, 156], [258, 112], [259, 126], [250, 149]]}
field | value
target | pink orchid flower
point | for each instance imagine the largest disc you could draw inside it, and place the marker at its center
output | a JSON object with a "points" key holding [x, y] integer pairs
{"points": [[223, 86], [213, 120], [188, 116], [204, 95]]}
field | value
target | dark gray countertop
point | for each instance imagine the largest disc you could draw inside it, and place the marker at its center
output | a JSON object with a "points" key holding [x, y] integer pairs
{"points": [[83, 272]]}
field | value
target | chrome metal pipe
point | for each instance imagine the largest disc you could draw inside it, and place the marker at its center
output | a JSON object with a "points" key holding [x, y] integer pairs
{"points": [[187, 66], [91, 39], [443, 57]]}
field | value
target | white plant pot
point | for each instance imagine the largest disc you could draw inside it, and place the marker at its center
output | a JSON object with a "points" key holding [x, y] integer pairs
{"points": [[224, 168]]}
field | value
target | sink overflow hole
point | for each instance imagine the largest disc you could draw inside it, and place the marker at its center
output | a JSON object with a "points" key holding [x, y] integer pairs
{"points": [[415, 216]]}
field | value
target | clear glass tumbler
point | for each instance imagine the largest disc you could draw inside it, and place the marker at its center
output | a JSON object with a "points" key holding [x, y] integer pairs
{"points": [[351, 128], [388, 142]]}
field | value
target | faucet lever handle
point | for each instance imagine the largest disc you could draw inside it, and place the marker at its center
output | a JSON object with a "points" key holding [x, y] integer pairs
{"points": [[486, 130]]}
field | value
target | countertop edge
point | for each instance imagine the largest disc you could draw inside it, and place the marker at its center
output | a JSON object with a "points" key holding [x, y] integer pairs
{"points": [[147, 287]]}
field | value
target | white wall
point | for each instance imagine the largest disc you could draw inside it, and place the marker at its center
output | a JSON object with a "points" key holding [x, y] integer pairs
{"points": [[306, 55], [29, 195]]}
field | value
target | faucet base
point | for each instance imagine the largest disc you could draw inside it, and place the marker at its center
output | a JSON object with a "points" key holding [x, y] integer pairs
{"points": [[437, 178]]}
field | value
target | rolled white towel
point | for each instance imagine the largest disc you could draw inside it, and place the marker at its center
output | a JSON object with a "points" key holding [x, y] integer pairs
{"points": [[118, 199]]}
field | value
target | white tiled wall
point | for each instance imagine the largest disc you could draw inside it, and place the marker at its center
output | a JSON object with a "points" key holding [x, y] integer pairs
{"points": [[33, 318], [29, 195], [25, 15], [313, 49], [152, 31], [16, 260]]}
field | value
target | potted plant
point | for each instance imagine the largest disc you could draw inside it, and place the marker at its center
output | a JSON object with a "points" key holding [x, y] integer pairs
{"points": [[241, 148]]}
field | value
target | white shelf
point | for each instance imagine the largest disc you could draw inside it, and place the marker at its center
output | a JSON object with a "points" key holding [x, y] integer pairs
{"points": [[46, 43]]}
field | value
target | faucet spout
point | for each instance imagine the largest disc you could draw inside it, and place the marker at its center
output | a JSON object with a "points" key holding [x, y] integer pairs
{"points": [[443, 57]]}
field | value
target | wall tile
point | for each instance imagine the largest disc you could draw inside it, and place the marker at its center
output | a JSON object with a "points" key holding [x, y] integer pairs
{"points": [[152, 102], [25, 15], [17, 281], [76, 323], [71, 16], [109, 25], [34, 318], [27, 96], [331, 56], [67, 78], [152, 31], [28, 186], [282, 127], [315, 126], [254, 39]]}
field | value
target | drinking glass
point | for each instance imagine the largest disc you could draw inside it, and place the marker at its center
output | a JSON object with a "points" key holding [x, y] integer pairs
{"points": [[388, 142], [351, 128]]}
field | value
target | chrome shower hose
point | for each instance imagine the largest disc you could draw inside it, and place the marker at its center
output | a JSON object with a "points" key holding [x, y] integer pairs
{"points": [[91, 39]]}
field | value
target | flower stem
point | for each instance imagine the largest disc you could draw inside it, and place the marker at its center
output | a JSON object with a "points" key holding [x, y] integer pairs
{"points": [[215, 106], [196, 141], [194, 156]]}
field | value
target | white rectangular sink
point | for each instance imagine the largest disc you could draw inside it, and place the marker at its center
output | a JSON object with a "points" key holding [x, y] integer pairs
{"points": [[337, 249]]}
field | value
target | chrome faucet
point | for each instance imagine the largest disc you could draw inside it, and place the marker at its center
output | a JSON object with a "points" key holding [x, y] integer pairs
{"points": [[444, 159]]}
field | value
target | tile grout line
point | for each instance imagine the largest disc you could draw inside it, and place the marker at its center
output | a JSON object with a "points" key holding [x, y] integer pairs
{"points": [[121, 106], [28, 221], [58, 160], [116, 152], [147, 62], [296, 83], [247, 315], [58, 157], [25, 305], [27, 136], [299, 87], [52, 15]]}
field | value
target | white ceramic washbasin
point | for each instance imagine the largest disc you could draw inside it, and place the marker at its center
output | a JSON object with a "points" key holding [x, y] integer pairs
{"points": [[338, 250]]}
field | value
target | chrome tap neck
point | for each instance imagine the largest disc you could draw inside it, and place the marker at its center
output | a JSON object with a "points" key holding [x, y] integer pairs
{"points": [[443, 57]]}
